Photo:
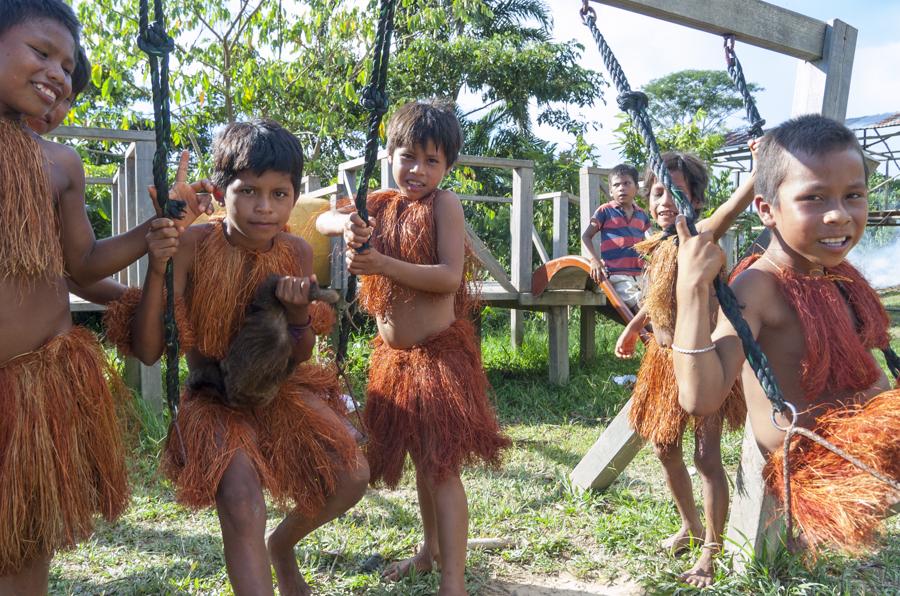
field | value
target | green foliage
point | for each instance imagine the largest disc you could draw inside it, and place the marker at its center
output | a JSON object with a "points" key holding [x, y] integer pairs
{"points": [[678, 98]]}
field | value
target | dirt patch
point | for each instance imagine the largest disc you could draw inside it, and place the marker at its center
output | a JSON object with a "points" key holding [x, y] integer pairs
{"points": [[564, 585]]}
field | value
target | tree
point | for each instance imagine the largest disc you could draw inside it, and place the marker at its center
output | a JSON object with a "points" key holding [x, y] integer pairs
{"points": [[677, 98]]}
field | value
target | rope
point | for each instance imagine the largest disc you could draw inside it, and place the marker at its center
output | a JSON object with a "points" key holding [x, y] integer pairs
{"points": [[157, 44], [737, 75], [893, 362], [375, 100], [635, 104]]}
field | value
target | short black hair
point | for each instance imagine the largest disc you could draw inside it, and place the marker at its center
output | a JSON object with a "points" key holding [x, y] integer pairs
{"points": [[258, 145], [81, 75], [16, 12], [812, 135], [624, 169], [691, 167], [416, 123]]}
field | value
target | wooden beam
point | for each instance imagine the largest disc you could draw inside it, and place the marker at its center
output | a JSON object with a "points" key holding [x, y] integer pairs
{"points": [[477, 161], [103, 134], [539, 245], [492, 265], [484, 199], [609, 456], [520, 224], [558, 332], [589, 192], [822, 86], [561, 225], [750, 21]]}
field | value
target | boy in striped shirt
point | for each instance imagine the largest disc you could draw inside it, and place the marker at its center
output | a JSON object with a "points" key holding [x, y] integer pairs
{"points": [[621, 224]]}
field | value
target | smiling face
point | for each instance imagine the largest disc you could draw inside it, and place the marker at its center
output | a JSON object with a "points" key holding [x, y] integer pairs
{"points": [[821, 210], [37, 57], [51, 119], [418, 169], [257, 207], [662, 206]]}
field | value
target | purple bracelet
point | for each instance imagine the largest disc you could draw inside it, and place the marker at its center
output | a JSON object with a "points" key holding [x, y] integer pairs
{"points": [[297, 331]]}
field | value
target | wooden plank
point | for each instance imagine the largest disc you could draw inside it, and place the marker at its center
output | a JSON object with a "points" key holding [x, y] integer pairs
{"points": [[327, 191], [104, 134], [98, 180], [589, 192], [484, 199], [549, 196], [558, 332], [539, 245], [562, 297], [587, 338], [520, 224], [753, 525], [823, 86], [609, 456], [492, 265], [463, 160], [387, 174], [79, 304], [561, 225], [750, 21]]}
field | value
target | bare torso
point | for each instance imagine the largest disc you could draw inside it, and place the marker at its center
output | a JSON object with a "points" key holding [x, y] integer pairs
{"points": [[412, 322], [32, 315]]}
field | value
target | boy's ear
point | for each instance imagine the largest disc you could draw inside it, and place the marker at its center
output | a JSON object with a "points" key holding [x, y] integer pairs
{"points": [[766, 211]]}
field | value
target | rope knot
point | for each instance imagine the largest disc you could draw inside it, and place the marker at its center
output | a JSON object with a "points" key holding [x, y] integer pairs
{"points": [[374, 99], [155, 41], [632, 101]]}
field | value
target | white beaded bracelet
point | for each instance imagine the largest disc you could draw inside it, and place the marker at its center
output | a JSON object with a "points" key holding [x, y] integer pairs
{"points": [[708, 348]]}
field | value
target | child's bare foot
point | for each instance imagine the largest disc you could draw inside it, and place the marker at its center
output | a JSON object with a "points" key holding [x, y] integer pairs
{"points": [[682, 540], [422, 562], [701, 574], [290, 580]]}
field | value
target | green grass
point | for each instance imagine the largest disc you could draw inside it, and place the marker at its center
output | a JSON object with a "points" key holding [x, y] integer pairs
{"points": [[159, 547]]}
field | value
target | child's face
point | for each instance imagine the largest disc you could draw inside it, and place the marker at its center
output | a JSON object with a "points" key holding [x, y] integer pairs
{"points": [[51, 119], [36, 62], [821, 210], [622, 190], [258, 206], [662, 206], [418, 170]]}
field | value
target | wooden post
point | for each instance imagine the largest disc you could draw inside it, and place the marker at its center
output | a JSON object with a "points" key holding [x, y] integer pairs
{"points": [[823, 85], [120, 221], [560, 226], [753, 524], [558, 334], [520, 224], [587, 337], [310, 183], [609, 456], [589, 199], [387, 175]]}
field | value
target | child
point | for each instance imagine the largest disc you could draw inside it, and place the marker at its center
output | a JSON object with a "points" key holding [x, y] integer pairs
{"points": [[655, 413], [61, 453], [621, 224], [298, 447], [427, 392], [106, 290], [812, 313]]}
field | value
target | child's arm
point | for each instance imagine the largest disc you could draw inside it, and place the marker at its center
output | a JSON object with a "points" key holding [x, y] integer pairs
{"points": [[164, 241], [628, 338], [722, 218], [598, 266], [441, 278], [87, 259], [103, 292], [293, 292], [706, 377]]}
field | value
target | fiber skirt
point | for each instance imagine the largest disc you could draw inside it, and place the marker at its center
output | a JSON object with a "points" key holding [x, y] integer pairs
{"points": [[430, 401], [298, 444], [62, 458], [656, 414]]}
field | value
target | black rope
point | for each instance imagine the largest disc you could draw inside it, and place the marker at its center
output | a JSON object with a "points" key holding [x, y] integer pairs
{"points": [[737, 75], [635, 104], [157, 44], [893, 361], [375, 100]]}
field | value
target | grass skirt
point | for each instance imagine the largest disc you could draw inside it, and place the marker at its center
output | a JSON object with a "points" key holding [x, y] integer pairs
{"points": [[297, 451], [430, 401], [62, 458], [832, 501], [655, 412]]}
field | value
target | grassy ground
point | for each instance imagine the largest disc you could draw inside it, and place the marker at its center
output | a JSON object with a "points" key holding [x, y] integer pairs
{"points": [[589, 543]]}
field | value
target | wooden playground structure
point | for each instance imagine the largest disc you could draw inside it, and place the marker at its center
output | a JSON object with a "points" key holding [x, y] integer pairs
{"points": [[562, 281]]}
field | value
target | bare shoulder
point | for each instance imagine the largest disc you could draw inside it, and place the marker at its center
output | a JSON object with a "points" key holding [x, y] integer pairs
{"points": [[301, 248], [447, 199], [758, 294], [66, 167]]}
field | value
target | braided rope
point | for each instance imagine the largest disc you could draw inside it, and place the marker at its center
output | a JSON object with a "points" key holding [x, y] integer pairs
{"points": [[374, 99], [635, 103], [737, 76], [157, 44]]}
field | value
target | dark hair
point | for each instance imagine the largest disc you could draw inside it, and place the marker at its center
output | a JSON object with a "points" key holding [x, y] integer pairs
{"points": [[81, 75], [691, 167], [16, 12], [416, 123], [810, 135], [624, 169], [258, 145]]}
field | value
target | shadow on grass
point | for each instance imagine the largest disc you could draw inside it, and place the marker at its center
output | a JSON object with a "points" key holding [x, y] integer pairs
{"points": [[160, 579]]}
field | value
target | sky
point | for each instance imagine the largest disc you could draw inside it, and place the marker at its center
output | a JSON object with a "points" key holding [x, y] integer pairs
{"points": [[649, 48]]}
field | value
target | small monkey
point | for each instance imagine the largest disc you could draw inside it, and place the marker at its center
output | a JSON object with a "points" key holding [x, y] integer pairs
{"points": [[260, 358]]}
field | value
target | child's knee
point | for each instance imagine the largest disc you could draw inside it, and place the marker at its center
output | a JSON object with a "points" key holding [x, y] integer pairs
{"points": [[667, 453], [708, 459], [358, 477], [241, 504]]}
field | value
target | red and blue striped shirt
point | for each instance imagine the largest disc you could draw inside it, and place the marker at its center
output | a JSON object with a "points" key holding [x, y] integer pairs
{"points": [[618, 235]]}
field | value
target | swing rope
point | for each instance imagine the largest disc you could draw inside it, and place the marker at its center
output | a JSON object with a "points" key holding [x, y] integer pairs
{"points": [[375, 100], [635, 104], [737, 76], [156, 43]]}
